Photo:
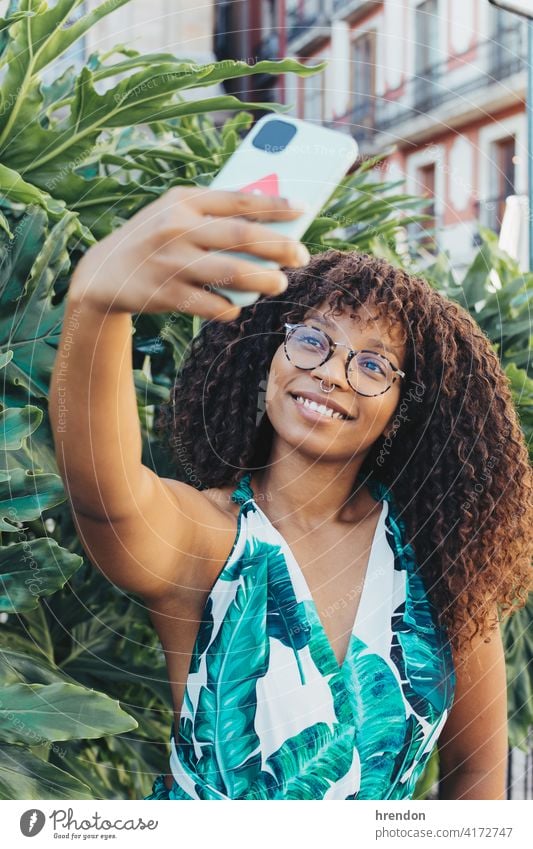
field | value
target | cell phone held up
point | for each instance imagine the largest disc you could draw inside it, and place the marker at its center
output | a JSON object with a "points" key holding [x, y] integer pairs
{"points": [[291, 158]]}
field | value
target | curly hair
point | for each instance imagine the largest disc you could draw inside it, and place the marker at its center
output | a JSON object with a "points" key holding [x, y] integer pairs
{"points": [[460, 473]]}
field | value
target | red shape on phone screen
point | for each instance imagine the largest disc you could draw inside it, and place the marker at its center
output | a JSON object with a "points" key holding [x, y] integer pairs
{"points": [[267, 185]]}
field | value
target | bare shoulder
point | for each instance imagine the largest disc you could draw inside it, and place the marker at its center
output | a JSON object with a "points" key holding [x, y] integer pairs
{"points": [[220, 497], [212, 518]]}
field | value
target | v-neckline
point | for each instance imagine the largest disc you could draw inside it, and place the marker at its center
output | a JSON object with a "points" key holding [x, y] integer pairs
{"points": [[364, 592]]}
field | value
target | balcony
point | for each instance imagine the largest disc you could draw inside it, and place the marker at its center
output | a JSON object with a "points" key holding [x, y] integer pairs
{"points": [[467, 88], [363, 117], [308, 26], [509, 50], [350, 9], [489, 213]]}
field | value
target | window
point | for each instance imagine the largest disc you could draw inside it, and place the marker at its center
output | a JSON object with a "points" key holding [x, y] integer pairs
{"points": [[503, 181], [426, 53], [363, 77], [426, 35], [268, 16], [508, 44]]}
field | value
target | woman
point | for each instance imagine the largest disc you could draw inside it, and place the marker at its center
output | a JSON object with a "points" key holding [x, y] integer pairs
{"points": [[325, 585]]}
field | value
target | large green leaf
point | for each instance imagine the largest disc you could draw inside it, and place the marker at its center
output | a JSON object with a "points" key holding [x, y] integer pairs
{"points": [[379, 713], [24, 776], [17, 190], [286, 619], [16, 425], [36, 626], [30, 325], [35, 42], [92, 671], [58, 712], [227, 703], [24, 496], [24, 667], [408, 758], [306, 765], [143, 98], [30, 569], [420, 655]]}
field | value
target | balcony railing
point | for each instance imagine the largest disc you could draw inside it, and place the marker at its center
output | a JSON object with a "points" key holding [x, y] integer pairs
{"points": [[425, 89], [363, 116], [490, 212], [338, 5], [507, 52], [301, 20], [496, 59]]}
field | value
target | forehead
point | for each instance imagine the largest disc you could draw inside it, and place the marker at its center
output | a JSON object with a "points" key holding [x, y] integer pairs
{"points": [[363, 320]]}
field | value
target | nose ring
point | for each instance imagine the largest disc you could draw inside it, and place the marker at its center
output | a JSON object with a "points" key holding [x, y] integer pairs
{"points": [[323, 388]]}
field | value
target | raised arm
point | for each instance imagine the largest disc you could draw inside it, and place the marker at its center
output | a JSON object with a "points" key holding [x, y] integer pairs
{"points": [[135, 526]]}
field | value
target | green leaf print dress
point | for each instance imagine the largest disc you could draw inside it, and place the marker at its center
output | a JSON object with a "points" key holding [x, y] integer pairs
{"points": [[269, 714]]}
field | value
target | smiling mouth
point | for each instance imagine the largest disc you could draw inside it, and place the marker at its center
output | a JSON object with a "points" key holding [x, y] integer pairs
{"points": [[320, 410]]}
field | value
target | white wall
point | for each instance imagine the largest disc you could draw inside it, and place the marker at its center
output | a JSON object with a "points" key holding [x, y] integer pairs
{"points": [[517, 126], [169, 26]]}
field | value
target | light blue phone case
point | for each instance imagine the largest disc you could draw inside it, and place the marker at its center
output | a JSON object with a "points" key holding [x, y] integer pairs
{"points": [[306, 171]]}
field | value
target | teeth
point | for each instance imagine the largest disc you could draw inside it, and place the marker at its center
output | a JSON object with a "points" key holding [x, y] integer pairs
{"points": [[320, 408]]}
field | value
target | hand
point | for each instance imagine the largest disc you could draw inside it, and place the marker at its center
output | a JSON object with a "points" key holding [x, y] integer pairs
{"points": [[161, 259]]}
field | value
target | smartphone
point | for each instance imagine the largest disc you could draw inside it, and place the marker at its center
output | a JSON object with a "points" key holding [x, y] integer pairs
{"points": [[290, 158]]}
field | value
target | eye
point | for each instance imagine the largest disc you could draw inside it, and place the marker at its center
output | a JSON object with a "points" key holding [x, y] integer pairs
{"points": [[373, 364], [312, 340], [310, 337]]}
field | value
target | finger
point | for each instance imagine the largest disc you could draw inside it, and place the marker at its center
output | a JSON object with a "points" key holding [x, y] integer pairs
{"points": [[249, 204], [237, 234], [234, 273], [196, 301]]}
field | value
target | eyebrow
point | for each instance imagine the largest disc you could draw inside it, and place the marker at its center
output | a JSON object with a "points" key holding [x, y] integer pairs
{"points": [[323, 320]]}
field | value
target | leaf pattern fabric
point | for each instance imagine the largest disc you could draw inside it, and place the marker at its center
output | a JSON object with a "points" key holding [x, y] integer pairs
{"points": [[268, 713]]}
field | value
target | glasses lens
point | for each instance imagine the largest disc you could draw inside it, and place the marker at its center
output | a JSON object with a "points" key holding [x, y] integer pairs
{"points": [[307, 347], [369, 373]]}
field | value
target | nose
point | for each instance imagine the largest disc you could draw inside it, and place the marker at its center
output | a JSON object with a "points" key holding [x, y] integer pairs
{"points": [[333, 371]]}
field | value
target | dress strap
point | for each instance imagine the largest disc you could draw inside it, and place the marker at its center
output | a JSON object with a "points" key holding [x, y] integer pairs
{"points": [[243, 491], [377, 488]]}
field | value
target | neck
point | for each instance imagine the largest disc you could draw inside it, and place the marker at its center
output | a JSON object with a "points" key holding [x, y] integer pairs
{"points": [[309, 495]]}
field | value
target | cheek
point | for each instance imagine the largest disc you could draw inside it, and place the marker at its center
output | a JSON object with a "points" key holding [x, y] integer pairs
{"points": [[277, 379], [377, 412]]}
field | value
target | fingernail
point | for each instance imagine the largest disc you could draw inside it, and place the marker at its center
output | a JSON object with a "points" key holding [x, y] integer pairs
{"points": [[303, 254]]}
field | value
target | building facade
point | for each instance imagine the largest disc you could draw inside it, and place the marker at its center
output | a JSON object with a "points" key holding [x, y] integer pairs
{"points": [[159, 26], [438, 85]]}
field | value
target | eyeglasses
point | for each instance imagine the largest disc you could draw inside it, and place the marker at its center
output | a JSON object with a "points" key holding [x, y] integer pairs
{"points": [[367, 372]]}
